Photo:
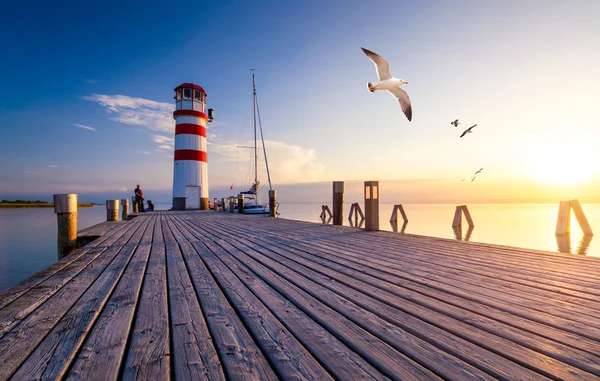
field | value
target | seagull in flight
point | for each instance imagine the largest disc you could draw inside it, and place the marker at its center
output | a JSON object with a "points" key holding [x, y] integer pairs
{"points": [[468, 130], [389, 83], [473, 178], [455, 123], [479, 171]]}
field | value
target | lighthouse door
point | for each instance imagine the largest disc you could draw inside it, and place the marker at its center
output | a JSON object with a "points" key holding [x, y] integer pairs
{"points": [[192, 197]]}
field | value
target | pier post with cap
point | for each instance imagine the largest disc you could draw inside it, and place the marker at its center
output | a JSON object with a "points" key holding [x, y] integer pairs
{"points": [[371, 205], [65, 207], [240, 203], [272, 203], [112, 210], [338, 202], [125, 210]]}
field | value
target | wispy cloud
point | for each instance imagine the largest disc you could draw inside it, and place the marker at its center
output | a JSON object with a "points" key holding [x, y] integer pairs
{"points": [[122, 189], [164, 142], [155, 116], [288, 163], [84, 127], [53, 166], [144, 152]]}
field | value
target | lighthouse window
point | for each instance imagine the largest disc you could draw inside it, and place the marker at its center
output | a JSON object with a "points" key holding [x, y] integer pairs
{"points": [[187, 93], [197, 95]]}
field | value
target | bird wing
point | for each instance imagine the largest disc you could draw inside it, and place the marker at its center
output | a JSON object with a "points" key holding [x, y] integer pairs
{"points": [[381, 64], [464, 133], [402, 96], [472, 127]]}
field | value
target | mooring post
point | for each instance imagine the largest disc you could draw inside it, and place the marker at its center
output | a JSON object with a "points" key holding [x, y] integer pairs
{"points": [[338, 202], [223, 204], [371, 205], [215, 206], [136, 207], [231, 204], [240, 203], [65, 207], [272, 203], [563, 223], [125, 210], [112, 210]]}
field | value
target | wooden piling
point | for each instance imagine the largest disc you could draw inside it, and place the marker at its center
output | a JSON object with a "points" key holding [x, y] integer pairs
{"points": [[65, 207], [465, 211], [338, 202], [223, 204], [112, 210], [203, 203], [136, 208], [272, 203], [457, 217], [394, 217], [215, 206], [231, 204], [240, 203], [563, 223], [125, 210]]}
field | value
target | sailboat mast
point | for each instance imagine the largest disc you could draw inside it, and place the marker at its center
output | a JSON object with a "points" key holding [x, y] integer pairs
{"points": [[254, 122]]}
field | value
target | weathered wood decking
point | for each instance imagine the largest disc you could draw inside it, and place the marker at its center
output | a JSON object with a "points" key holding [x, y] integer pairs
{"points": [[205, 295]]}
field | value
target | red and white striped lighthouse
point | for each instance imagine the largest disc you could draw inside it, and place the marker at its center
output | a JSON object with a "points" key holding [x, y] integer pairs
{"points": [[190, 173]]}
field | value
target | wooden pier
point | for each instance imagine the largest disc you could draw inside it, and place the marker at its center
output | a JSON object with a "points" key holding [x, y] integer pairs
{"points": [[206, 295]]}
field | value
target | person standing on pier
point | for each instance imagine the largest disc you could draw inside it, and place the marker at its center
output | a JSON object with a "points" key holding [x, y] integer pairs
{"points": [[139, 198]]}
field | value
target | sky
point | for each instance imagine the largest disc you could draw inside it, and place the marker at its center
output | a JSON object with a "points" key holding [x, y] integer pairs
{"points": [[86, 97]]}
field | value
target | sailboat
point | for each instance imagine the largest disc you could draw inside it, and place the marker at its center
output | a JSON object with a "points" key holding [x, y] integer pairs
{"points": [[251, 204]]}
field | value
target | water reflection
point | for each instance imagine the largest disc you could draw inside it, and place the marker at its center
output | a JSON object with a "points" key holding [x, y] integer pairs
{"points": [[458, 233], [326, 220], [564, 244], [356, 223], [394, 225]]}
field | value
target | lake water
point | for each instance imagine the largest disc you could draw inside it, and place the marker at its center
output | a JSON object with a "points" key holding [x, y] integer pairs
{"points": [[28, 236]]}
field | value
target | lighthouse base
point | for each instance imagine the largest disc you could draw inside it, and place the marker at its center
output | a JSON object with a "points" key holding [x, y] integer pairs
{"points": [[178, 203], [203, 203]]}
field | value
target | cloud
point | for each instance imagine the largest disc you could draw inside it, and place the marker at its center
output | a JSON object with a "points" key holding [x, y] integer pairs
{"points": [[288, 163], [164, 142], [155, 116], [122, 189], [144, 152], [84, 127], [53, 166]]}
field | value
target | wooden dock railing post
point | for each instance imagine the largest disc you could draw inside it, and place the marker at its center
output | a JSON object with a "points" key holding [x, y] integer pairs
{"points": [[231, 204], [394, 217], [371, 205], [338, 202], [125, 210], [563, 223], [65, 207], [136, 208], [112, 210], [459, 211], [223, 204], [272, 203], [215, 206], [240, 203]]}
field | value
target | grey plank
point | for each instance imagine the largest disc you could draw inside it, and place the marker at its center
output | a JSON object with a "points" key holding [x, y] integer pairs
{"points": [[101, 355], [148, 356], [240, 356], [194, 355]]}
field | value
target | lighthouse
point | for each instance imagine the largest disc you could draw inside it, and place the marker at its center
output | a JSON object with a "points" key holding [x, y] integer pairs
{"points": [[190, 171]]}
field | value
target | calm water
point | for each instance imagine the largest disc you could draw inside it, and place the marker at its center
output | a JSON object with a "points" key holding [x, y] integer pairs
{"points": [[28, 236]]}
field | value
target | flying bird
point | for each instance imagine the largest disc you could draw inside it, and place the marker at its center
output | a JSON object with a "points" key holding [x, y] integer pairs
{"points": [[473, 178], [389, 83], [479, 171], [455, 123], [468, 130]]}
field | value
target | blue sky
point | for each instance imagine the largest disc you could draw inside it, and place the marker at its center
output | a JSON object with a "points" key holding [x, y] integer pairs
{"points": [[526, 72]]}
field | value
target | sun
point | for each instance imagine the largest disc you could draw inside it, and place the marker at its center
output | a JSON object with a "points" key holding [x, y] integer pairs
{"points": [[556, 160]]}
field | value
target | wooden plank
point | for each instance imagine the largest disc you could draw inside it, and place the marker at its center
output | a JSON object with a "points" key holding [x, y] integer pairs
{"points": [[101, 355], [580, 215], [465, 211], [52, 357], [148, 357], [239, 354], [289, 358], [100, 229], [194, 355], [563, 223]]}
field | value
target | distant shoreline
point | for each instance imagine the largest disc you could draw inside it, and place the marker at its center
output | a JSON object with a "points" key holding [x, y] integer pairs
{"points": [[40, 205]]}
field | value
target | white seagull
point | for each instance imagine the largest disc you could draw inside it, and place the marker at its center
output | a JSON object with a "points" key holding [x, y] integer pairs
{"points": [[389, 83]]}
